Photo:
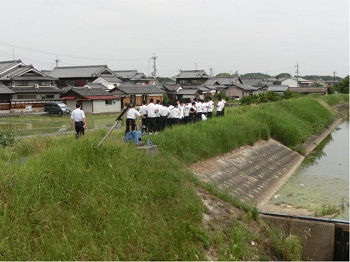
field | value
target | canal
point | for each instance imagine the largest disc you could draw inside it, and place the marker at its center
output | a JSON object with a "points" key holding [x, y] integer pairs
{"points": [[321, 183]]}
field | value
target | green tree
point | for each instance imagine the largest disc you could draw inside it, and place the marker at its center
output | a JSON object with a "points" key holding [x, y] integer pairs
{"points": [[225, 74], [343, 86], [255, 75], [283, 75]]}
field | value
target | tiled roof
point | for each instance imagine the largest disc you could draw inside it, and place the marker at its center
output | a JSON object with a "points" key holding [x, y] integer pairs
{"points": [[126, 73], [5, 65], [308, 89], [87, 91], [111, 79], [246, 87], [192, 74], [140, 89], [5, 90], [41, 89], [191, 91], [277, 88], [80, 71]]}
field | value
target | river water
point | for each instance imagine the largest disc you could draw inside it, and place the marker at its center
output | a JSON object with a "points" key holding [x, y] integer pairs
{"points": [[322, 180]]}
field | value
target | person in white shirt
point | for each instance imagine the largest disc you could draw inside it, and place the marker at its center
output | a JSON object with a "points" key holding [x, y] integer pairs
{"points": [[199, 109], [223, 109], [157, 107], [220, 107], [78, 117], [210, 106], [164, 112], [151, 117], [180, 106], [187, 113], [143, 111], [193, 112], [131, 118], [175, 115], [204, 108]]}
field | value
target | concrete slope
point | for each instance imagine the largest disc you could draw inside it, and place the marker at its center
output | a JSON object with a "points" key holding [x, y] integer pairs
{"points": [[253, 174]]}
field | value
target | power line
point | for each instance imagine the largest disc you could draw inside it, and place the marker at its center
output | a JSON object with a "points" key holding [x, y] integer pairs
{"points": [[68, 55]]}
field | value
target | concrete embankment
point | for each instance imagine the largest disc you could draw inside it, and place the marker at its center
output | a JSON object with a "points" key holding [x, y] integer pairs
{"points": [[254, 174]]}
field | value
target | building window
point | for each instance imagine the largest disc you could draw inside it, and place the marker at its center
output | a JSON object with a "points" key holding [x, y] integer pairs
{"points": [[132, 99], [26, 96], [108, 102], [23, 83]]}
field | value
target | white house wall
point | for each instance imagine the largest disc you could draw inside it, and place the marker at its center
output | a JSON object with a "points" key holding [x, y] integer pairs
{"points": [[290, 83], [101, 107]]}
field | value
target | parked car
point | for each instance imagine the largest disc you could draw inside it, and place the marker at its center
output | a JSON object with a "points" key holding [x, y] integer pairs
{"points": [[56, 108]]}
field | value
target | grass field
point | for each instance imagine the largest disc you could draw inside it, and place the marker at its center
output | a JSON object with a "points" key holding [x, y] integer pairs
{"points": [[63, 198]]}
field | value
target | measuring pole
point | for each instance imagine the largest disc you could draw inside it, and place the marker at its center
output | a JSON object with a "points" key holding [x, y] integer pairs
{"points": [[115, 124]]}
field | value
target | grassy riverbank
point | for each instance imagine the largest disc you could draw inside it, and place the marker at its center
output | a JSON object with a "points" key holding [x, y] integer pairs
{"points": [[66, 199]]}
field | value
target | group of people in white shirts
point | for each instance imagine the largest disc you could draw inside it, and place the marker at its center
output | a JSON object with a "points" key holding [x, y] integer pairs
{"points": [[158, 116]]}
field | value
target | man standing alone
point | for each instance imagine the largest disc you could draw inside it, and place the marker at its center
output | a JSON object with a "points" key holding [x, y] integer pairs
{"points": [[78, 117]]}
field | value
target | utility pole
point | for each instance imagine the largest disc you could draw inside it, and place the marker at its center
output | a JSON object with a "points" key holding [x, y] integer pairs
{"points": [[334, 78], [211, 72], [57, 60], [297, 66], [154, 68]]}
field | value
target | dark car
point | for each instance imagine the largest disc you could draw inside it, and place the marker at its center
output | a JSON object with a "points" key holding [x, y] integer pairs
{"points": [[56, 108]]}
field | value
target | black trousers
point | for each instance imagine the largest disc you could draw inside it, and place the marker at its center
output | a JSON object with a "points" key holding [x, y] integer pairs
{"points": [[130, 125], [79, 128]]}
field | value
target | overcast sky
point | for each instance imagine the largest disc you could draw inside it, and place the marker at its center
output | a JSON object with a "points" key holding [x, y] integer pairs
{"points": [[267, 36]]}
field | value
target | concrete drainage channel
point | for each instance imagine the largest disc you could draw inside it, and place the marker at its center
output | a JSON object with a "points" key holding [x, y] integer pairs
{"points": [[322, 239], [255, 173]]}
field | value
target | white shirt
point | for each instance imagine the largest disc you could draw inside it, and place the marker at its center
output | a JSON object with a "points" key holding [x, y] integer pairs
{"points": [[132, 113], [220, 106], [77, 115], [164, 111], [204, 107], [175, 113], [199, 107], [210, 105], [143, 110], [151, 110]]}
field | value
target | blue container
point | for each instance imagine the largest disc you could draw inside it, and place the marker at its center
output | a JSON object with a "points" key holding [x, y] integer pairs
{"points": [[137, 136], [133, 136]]}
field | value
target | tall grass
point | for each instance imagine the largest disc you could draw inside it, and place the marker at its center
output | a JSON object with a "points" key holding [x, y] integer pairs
{"points": [[72, 201], [67, 199], [291, 122]]}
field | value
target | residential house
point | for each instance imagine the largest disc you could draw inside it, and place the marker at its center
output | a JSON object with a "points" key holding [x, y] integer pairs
{"points": [[296, 82], [219, 84], [79, 76], [309, 90], [109, 81], [279, 89], [187, 93], [171, 90], [29, 85], [138, 93], [134, 77], [240, 90], [191, 77], [5, 97], [93, 99]]}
